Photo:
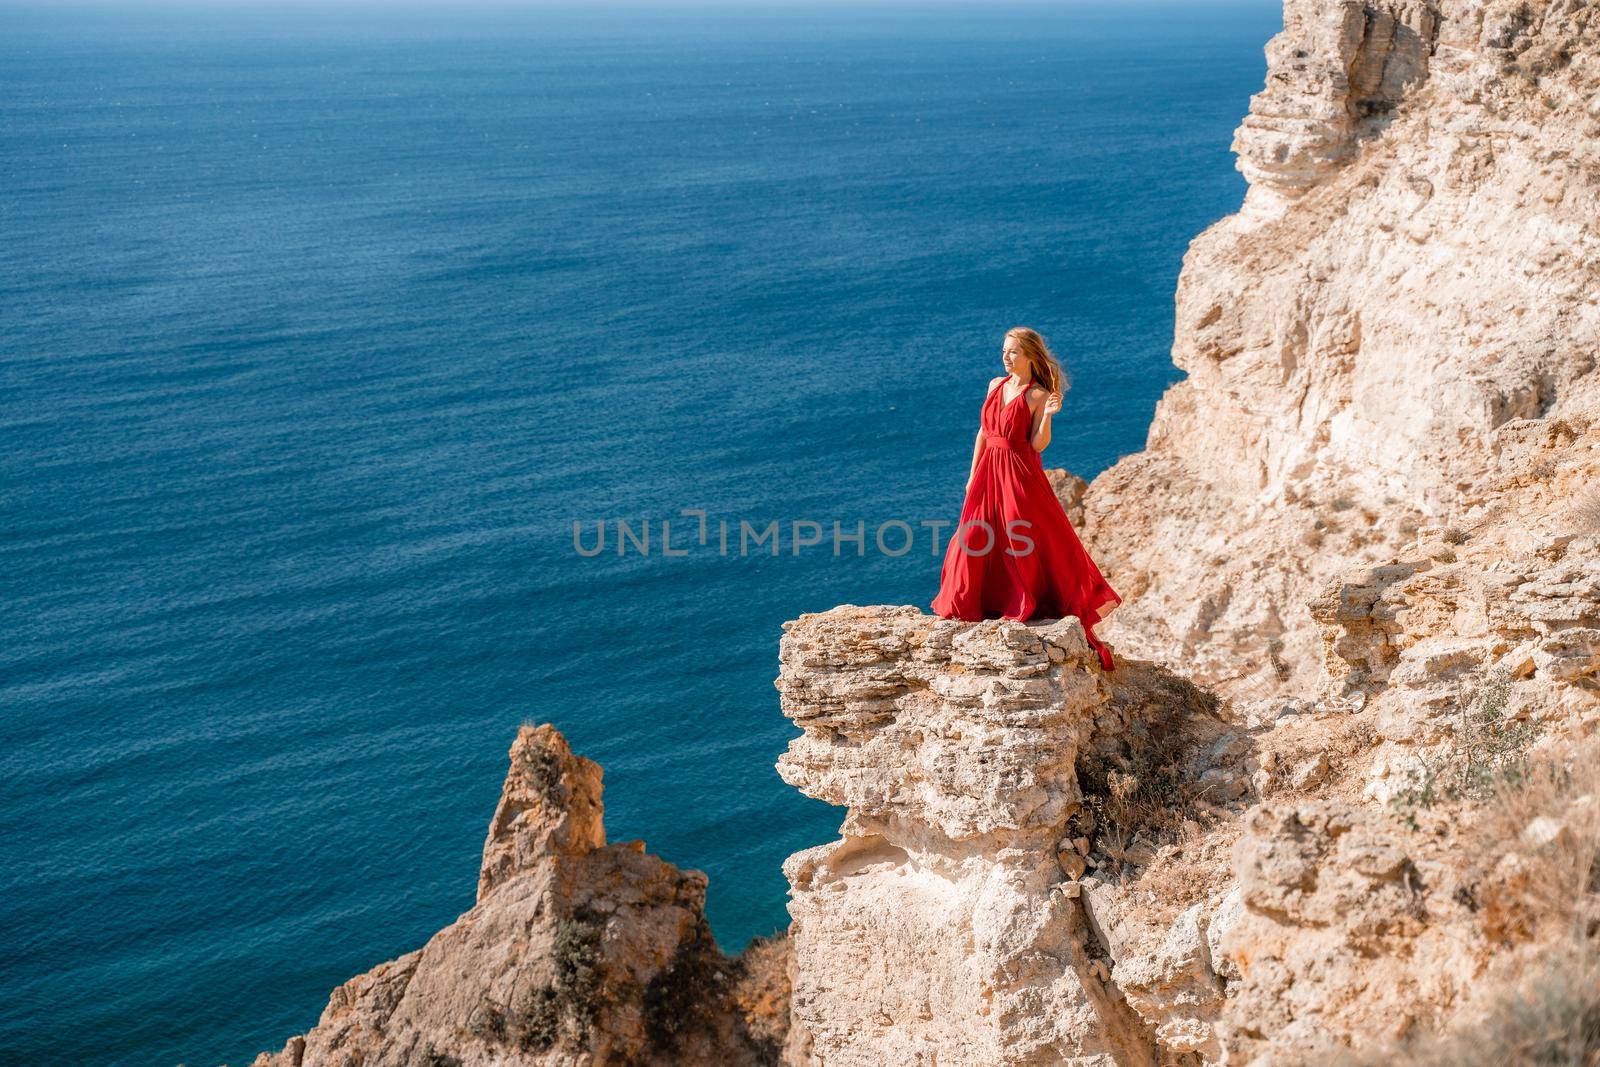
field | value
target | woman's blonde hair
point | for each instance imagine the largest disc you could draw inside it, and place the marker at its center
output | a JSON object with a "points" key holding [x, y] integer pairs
{"points": [[1046, 371]]}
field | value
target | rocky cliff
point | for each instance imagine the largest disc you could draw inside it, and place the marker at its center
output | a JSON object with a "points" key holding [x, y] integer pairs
{"points": [[985, 769], [1042, 864], [1337, 803], [1409, 290]]}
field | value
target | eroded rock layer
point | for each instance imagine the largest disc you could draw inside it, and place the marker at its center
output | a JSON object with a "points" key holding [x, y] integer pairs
{"points": [[947, 924]]}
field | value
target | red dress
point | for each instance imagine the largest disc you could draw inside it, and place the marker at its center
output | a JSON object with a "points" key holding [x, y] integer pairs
{"points": [[1015, 554]]}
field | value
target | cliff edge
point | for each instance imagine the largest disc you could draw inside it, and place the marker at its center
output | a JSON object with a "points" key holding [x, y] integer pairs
{"points": [[989, 773]]}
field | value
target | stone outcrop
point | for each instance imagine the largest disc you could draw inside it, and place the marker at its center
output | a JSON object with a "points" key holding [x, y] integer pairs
{"points": [[576, 952], [1041, 863], [1336, 74], [1507, 603], [994, 777]]}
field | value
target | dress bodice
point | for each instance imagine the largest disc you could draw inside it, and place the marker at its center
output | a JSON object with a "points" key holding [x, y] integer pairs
{"points": [[1007, 423]]}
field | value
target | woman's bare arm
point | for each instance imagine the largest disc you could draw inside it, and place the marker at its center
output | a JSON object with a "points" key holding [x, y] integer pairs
{"points": [[1043, 405]]}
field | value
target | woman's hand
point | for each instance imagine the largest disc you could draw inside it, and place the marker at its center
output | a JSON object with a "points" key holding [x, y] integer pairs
{"points": [[1052, 404]]}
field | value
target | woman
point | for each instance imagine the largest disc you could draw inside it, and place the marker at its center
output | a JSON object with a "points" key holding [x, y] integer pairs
{"points": [[1015, 555]]}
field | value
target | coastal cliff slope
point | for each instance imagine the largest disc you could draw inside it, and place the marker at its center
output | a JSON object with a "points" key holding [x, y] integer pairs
{"points": [[1337, 803], [1412, 281]]}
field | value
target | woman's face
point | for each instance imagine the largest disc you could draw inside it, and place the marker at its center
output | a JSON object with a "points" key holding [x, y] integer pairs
{"points": [[1011, 355]]}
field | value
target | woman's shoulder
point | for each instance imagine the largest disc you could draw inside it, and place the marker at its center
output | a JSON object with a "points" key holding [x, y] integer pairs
{"points": [[994, 382]]}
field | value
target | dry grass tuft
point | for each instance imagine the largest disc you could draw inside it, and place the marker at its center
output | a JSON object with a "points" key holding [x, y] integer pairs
{"points": [[1536, 851], [1196, 867], [1531, 875], [1136, 780], [1486, 754], [1550, 1018]]}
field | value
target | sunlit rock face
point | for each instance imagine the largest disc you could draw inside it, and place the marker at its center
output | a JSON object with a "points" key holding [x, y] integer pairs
{"points": [[1336, 74], [951, 922], [1415, 269]]}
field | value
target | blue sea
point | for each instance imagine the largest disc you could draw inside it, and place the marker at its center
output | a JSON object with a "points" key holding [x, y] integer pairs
{"points": [[320, 327]]}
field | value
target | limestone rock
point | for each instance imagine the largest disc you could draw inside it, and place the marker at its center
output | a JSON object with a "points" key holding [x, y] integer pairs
{"points": [[1414, 272], [1336, 74], [1340, 933], [549, 807], [1176, 985], [941, 926], [1069, 489]]}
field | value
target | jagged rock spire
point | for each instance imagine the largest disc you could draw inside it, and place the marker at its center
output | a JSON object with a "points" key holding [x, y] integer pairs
{"points": [[550, 806]]}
